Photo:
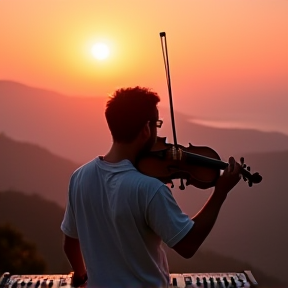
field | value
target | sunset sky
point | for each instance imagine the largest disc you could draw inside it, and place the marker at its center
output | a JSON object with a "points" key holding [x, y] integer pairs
{"points": [[228, 59]]}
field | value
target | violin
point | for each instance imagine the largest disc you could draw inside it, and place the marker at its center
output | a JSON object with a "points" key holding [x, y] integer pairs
{"points": [[200, 166]]}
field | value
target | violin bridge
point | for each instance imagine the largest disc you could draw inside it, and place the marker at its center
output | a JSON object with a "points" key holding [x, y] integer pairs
{"points": [[176, 153]]}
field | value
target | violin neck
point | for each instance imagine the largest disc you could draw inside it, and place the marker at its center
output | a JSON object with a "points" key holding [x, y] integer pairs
{"points": [[199, 160]]}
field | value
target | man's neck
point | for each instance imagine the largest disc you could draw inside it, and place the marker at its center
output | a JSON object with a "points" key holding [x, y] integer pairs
{"points": [[120, 151]]}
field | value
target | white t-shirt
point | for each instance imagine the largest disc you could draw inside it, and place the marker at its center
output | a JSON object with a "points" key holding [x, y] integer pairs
{"points": [[121, 217]]}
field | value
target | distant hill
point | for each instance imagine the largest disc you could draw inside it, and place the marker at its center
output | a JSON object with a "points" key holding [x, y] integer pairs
{"points": [[250, 227], [42, 222], [75, 127], [32, 169], [39, 221]]}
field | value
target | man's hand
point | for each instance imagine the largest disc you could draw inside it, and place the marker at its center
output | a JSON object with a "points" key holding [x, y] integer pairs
{"points": [[229, 178], [73, 252]]}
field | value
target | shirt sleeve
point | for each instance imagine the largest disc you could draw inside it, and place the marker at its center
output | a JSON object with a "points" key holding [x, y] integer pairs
{"points": [[166, 218], [68, 225]]}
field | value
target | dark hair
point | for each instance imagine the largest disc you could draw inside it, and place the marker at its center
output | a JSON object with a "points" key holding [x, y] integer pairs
{"points": [[128, 110]]}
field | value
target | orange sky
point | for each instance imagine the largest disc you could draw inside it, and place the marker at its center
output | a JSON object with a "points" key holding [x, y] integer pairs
{"points": [[230, 54]]}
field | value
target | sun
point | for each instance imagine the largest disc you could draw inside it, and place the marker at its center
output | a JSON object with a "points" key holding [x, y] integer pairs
{"points": [[100, 51]]}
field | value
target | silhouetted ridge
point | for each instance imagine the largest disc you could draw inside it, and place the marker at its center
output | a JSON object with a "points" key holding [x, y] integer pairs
{"points": [[33, 169]]}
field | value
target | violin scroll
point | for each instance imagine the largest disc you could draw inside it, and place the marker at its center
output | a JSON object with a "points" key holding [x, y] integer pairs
{"points": [[247, 176]]}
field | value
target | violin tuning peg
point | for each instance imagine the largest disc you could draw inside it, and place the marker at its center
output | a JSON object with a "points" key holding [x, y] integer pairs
{"points": [[248, 168], [242, 160], [250, 184], [190, 145], [244, 178], [244, 165]]}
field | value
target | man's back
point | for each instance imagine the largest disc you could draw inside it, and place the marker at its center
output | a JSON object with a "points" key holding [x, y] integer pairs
{"points": [[112, 217], [116, 217]]}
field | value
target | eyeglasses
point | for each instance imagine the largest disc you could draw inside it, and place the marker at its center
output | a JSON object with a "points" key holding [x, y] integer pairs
{"points": [[158, 123]]}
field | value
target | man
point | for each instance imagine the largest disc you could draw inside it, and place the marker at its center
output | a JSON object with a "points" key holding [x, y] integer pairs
{"points": [[117, 218]]}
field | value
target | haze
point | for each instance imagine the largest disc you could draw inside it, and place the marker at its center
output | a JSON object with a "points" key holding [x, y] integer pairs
{"points": [[228, 59]]}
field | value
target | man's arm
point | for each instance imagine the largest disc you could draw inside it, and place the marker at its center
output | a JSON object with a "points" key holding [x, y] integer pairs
{"points": [[206, 218], [73, 252]]}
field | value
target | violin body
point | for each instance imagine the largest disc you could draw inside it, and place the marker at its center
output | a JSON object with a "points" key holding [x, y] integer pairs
{"points": [[164, 164], [200, 166]]}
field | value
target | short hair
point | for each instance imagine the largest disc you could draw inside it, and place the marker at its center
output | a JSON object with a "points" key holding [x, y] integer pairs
{"points": [[128, 110]]}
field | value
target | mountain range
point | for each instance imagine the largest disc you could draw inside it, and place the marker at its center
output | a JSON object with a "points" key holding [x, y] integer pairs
{"points": [[75, 127], [41, 130]]}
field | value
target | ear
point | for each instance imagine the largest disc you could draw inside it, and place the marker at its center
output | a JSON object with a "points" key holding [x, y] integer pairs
{"points": [[146, 131]]}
